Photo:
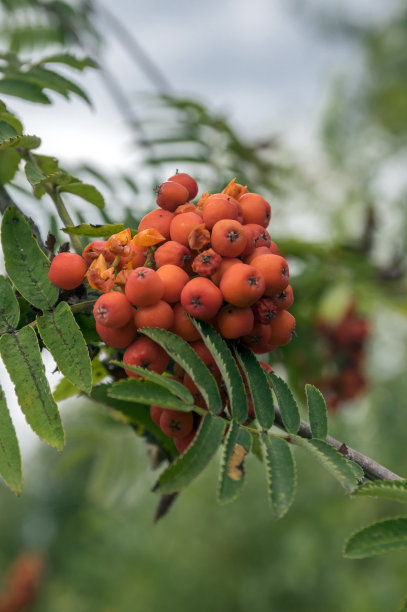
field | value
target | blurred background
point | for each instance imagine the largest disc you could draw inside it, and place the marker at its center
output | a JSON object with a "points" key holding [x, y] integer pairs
{"points": [[306, 103]]}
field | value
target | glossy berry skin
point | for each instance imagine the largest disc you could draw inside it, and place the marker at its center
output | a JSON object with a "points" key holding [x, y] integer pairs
{"points": [[170, 195], [144, 287], [67, 270], [187, 181], [119, 337], [275, 271], [233, 322], [176, 423], [182, 225], [255, 209], [282, 328], [174, 253], [159, 314], [174, 279], [183, 325], [145, 353], [112, 309], [242, 285], [201, 298], [159, 219], [228, 238]]}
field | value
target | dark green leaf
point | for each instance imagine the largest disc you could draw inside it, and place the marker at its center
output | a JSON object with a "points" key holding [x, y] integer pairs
{"points": [[381, 537], [288, 406], [259, 386], [87, 325], [10, 459], [147, 392], [228, 368], [94, 231], [173, 386], [318, 416], [63, 338], [48, 79], [23, 89], [21, 355], [26, 264], [231, 475], [9, 308], [332, 460], [9, 162], [183, 354], [281, 473], [194, 460], [87, 192], [386, 489]]}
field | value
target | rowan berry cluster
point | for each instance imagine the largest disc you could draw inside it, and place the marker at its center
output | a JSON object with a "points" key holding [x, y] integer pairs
{"points": [[213, 260], [346, 342]]}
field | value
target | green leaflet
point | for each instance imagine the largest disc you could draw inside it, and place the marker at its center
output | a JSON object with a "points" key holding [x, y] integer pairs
{"points": [[26, 264], [85, 191], [64, 340], [237, 445], [147, 392], [48, 79], [288, 406], [94, 231], [11, 120], [21, 355], [317, 412], [65, 388], [23, 89], [7, 132], [9, 162], [197, 456], [25, 141], [281, 473], [380, 537], [138, 414], [10, 459], [228, 368], [332, 460], [183, 354], [69, 60], [9, 308], [33, 174], [259, 386], [173, 386], [387, 489]]}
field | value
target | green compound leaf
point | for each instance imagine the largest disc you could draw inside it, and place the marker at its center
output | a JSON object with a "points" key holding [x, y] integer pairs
{"points": [[136, 414], [281, 474], [228, 368], [65, 388], [386, 489], [380, 537], [7, 132], [22, 358], [259, 386], [182, 353], [9, 308], [288, 406], [332, 460], [64, 340], [26, 264], [69, 60], [173, 386], [94, 231], [86, 192], [197, 456], [23, 89], [318, 415], [150, 393], [25, 141], [9, 163], [48, 79], [11, 120], [237, 445], [10, 459], [33, 174]]}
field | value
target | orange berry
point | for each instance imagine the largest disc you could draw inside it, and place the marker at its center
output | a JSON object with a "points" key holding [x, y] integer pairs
{"points": [[135, 259], [182, 444], [144, 287], [119, 337], [155, 413], [258, 339], [233, 322], [259, 251], [195, 392], [187, 181], [67, 270], [172, 252], [282, 328], [275, 272], [242, 285], [221, 207], [257, 237], [255, 209], [264, 310], [183, 225], [226, 263], [170, 195], [228, 238], [159, 314], [176, 423], [112, 309], [183, 326], [158, 219], [201, 298], [284, 299], [206, 263], [174, 278], [145, 353]]}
